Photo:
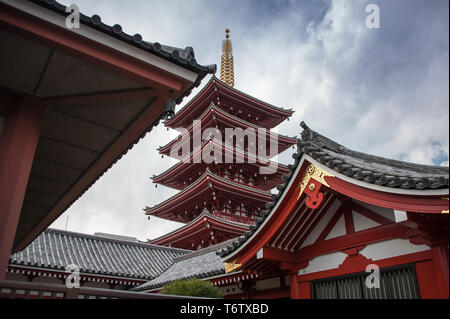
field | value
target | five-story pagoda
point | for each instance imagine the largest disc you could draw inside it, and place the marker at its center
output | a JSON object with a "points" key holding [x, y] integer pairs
{"points": [[225, 173]]}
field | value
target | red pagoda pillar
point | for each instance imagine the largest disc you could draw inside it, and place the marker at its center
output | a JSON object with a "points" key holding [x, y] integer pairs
{"points": [[18, 142]]}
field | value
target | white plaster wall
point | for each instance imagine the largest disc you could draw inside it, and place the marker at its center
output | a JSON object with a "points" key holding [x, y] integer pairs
{"points": [[267, 284], [324, 262], [361, 222], [391, 248], [321, 225], [338, 229], [385, 212], [376, 251]]}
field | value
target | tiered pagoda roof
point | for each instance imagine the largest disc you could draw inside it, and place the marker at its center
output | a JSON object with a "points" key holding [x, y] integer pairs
{"points": [[215, 117], [233, 102], [186, 171], [207, 227], [225, 172], [211, 192]]}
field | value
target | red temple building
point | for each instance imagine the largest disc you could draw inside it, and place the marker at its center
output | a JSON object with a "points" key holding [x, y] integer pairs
{"points": [[339, 216], [219, 199]]}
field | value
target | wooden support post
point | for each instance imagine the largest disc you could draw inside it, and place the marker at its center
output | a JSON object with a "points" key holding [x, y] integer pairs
{"points": [[18, 143], [294, 285], [440, 260]]}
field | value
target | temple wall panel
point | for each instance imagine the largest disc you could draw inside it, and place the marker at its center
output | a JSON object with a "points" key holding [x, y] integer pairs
{"points": [[47, 280], [231, 290], [391, 248], [267, 283], [321, 225], [324, 262], [16, 277], [96, 285], [338, 230], [385, 212]]}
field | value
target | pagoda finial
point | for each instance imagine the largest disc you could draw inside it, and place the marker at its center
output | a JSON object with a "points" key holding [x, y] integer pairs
{"points": [[226, 63]]}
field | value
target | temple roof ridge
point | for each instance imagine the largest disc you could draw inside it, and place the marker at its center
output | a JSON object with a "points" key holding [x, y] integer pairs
{"points": [[198, 218], [213, 108], [207, 175], [213, 80], [258, 159]]}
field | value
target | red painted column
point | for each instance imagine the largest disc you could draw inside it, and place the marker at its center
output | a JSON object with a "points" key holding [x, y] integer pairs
{"points": [[440, 260], [295, 294], [18, 143], [304, 290]]}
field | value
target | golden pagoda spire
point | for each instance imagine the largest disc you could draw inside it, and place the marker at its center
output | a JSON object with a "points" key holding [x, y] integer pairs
{"points": [[226, 63]]}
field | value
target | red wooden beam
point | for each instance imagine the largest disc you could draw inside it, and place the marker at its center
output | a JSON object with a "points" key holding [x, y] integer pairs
{"points": [[330, 225], [363, 237], [321, 213], [271, 228], [293, 227], [349, 225], [312, 213], [415, 203], [354, 265], [275, 254]]}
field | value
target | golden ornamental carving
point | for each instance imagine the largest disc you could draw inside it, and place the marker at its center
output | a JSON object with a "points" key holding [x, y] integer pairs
{"points": [[226, 63], [445, 211], [231, 265], [316, 173]]}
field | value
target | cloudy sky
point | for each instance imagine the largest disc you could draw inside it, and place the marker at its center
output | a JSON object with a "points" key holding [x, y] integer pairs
{"points": [[381, 91]]}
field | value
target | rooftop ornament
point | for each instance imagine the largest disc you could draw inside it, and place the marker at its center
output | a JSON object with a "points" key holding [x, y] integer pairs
{"points": [[226, 63]]}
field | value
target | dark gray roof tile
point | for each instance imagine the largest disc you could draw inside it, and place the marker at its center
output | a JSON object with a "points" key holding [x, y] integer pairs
{"points": [[56, 249], [370, 168]]}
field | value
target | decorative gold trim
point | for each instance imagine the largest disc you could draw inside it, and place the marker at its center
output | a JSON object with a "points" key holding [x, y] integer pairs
{"points": [[315, 172], [445, 211], [231, 265], [226, 61]]}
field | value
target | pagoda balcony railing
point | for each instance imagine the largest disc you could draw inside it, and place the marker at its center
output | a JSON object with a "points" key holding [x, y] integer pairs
{"points": [[234, 218], [10, 289]]}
